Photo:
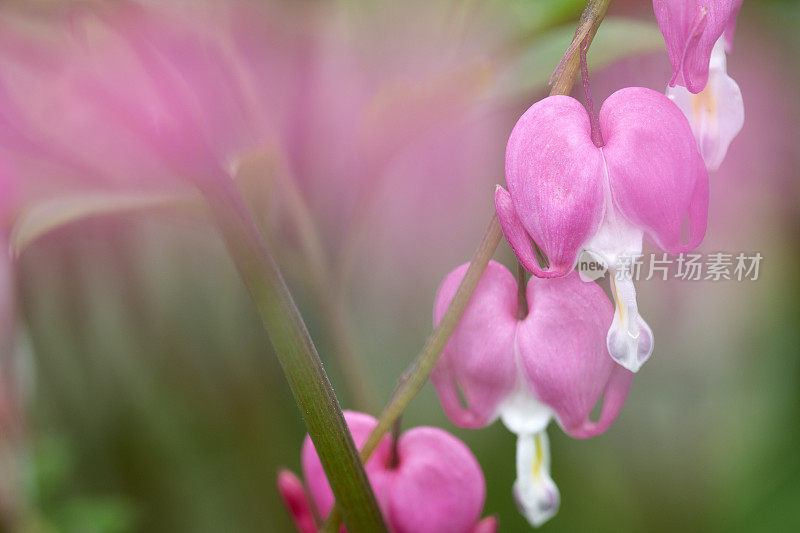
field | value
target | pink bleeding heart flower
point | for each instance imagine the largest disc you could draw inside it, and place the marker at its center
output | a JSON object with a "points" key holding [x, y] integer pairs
{"points": [[716, 113], [568, 195], [427, 481], [549, 364], [691, 28]]}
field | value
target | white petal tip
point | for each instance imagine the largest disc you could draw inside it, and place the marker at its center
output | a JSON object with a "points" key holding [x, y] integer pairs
{"points": [[539, 503], [535, 492], [628, 350]]}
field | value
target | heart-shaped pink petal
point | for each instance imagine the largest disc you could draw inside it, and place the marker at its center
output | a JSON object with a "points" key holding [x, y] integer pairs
{"points": [[479, 358], [554, 171], [657, 176], [562, 345]]}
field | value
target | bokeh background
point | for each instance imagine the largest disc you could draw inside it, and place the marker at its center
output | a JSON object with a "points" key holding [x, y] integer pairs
{"points": [[368, 138]]}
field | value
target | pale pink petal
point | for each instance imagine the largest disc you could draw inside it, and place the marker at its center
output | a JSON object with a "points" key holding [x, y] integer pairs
{"points": [[690, 29], [479, 358], [438, 485], [657, 176], [562, 344], [616, 392], [515, 232], [554, 175]]}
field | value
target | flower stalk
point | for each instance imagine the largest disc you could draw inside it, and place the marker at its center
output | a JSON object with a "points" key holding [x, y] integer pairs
{"points": [[567, 71], [412, 381], [298, 357]]}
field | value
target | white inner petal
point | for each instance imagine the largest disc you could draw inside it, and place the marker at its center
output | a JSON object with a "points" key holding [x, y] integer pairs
{"points": [[618, 245], [716, 114], [616, 240], [521, 411], [535, 492], [630, 339]]}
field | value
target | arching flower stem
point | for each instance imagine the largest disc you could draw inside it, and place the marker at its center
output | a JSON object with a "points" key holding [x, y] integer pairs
{"points": [[412, 381]]}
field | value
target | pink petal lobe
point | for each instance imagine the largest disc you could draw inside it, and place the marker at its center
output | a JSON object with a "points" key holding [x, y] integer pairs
{"points": [[656, 173], [562, 345], [295, 500], [690, 29], [616, 392], [515, 232], [479, 358], [554, 176], [438, 486]]}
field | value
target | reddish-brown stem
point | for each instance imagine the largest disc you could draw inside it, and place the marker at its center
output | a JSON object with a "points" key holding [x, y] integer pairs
{"points": [[597, 135]]}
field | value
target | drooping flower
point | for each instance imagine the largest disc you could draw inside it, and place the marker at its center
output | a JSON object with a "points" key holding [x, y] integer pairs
{"points": [[550, 364], [568, 194], [691, 29], [426, 481], [716, 113]]}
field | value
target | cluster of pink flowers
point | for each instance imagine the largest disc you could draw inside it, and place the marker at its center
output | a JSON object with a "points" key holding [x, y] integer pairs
{"points": [[579, 183], [191, 101]]}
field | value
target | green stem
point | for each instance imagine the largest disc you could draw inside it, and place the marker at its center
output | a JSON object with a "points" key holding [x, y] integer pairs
{"points": [[298, 357], [331, 299], [417, 375], [329, 293], [414, 379], [593, 14]]}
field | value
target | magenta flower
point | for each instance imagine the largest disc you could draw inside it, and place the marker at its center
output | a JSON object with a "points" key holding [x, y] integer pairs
{"points": [[428, 481], [550, 364], [691, 28], [568, 194]]}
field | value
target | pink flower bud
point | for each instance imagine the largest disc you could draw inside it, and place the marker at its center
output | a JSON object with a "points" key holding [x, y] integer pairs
{"points": [[294, 498], [568, 195], [691, 28], [433, 483], [552, 363]]}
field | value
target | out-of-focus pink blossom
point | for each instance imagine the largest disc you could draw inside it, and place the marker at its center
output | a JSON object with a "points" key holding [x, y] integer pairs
{"points": [[119, 94], [551, 363], [135, 95], [428, 481], [568, 194], [691, 28]]}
